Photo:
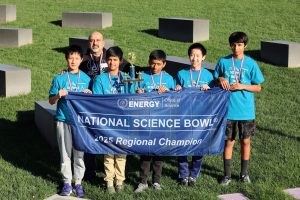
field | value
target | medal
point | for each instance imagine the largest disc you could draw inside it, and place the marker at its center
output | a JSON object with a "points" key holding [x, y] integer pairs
{"points": [[112, 86], [237, 78], [193, 83], [69, 81], [153, 83], [97, 67]]}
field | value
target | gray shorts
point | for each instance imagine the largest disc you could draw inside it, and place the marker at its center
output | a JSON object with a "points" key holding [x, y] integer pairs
{"points": [[245, 128]]}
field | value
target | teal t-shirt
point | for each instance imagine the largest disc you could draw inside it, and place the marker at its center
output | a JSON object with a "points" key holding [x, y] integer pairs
{"points": [[109, 84], [162, 79], [62, 82], [242, 106], [184, 78]]}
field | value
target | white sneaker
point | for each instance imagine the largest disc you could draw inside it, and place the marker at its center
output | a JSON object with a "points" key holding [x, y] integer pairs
{"points": [[156, 186], [141, 187]]}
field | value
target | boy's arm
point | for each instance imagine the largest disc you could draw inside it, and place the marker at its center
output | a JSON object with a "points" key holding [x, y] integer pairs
{"points": [[250, 88], [55, 93], [177, 82], [224, 83], [170, 86], [218, 75], [54, 98], [97, 86], [90, 87], [256, 79]]}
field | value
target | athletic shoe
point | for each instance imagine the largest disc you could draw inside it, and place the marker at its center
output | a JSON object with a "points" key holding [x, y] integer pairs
{"points": [[79, 190], [66, 190], [192, 181], [119, 188], [184, 182], [111, 189], [156, 186], [225, 181], [245, 179], [141, 188]]}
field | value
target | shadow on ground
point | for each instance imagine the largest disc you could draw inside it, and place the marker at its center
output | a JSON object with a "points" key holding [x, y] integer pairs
{"points": [[56, 23], [152, 32], [61, 49], [255, 54], [23, 146], [279, 133]]}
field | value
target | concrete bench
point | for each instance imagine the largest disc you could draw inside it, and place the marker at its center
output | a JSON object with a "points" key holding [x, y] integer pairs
{"points": [[233, 196], [14, 80], [44, 117], [294, 192], [83, 43], [94, 20], [8, 13], [15, 37], [280, 52], [175, 64], [58, 197], [183, 29]]}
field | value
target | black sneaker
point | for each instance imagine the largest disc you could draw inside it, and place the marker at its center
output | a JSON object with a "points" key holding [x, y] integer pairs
{"points": [[225, 181], [192, 181], [184, 182], [245, 179]]}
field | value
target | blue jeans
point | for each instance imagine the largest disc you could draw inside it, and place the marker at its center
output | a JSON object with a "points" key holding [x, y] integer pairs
{"points": [[183, 167]]}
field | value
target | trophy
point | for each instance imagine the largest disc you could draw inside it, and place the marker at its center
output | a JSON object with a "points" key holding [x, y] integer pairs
{"points": [[132, 79]]}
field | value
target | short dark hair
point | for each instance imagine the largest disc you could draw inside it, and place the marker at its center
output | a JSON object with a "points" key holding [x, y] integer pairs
{"points": [[197, 46], [73, 49], [238, 37], [158, 55], [114, 51]]}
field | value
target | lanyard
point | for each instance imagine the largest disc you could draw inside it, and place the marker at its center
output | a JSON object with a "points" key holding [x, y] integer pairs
{"points": [[69, 81], [198, 78], [237, 78], [99, 59], [111, 84], [160, 80]]}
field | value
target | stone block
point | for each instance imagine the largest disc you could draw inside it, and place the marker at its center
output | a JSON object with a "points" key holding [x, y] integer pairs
{"points": [[184, 29], [294, 192], [93, 20], [233, 196], [58, 197], [8, 13], [83, 43], [15, 37], [14, 81], [175, 64], [283, 53], [44, 117]]}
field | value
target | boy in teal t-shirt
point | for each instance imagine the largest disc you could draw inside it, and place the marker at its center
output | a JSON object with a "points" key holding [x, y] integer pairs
{"points": [[73, 80], [240, 74], [199, 77], [157, 79], [195, 75], [160, 81], [111, 82]]}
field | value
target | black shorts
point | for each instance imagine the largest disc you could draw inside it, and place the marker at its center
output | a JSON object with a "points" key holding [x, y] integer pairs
{"points": [[246, 128]]}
